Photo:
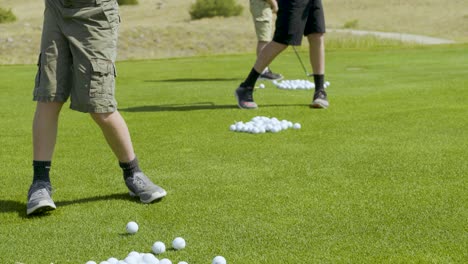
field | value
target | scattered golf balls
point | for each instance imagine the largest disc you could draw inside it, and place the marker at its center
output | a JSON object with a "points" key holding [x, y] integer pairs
{"points": [[262, 124], [297, 84], [219, 260], [261, 86], [132, 227], [178, 243], [135, 257], [158, 247]]}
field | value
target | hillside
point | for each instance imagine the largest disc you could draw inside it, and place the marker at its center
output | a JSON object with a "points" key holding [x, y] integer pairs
{"points": [[162, 28]]}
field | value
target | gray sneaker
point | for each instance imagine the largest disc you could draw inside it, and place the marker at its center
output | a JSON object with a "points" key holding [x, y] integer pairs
{"points": [[39, 198], [140, 186], [270, 76], [320, 99]]}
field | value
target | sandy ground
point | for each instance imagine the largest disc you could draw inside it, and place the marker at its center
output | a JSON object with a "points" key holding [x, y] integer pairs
{"points": [[162, 29]]}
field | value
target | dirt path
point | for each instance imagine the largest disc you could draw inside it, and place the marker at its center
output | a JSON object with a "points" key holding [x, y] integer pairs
{"points": [[398, 36]]}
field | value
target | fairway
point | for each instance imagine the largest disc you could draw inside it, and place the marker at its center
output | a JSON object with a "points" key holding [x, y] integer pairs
{"points": [[379, 177]]}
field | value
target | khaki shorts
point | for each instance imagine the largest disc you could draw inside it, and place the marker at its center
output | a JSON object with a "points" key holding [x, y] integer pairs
{"points": [[263, 19], [77, 57]]}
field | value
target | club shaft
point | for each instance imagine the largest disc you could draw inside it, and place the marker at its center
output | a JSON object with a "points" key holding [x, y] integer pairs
{"points": [[300, 60]]}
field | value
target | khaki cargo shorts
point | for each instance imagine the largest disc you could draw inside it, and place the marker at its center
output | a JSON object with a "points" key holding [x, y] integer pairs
{"points": [[77, 57], [263, 19]]}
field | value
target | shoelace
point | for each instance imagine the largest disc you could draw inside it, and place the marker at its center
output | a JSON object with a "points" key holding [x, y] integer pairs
{"points": [[140, 183], [249, 95], [38, 188], [320, 94]]}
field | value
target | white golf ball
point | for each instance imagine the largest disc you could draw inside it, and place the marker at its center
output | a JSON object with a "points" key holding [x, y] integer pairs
{"points": [[91, 262], [131, 260], [132, 227], [297, 126], [133, 254], [232, 128], [104, 262], [261, 86], [112, 260], [182, 262], [158, 247], [219, 260], [275, 129], [178, 243], [165, 261], [149, 258]]}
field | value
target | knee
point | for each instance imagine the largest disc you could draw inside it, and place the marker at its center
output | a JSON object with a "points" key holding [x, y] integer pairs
{"points": [[316, 36], [100, 118]]}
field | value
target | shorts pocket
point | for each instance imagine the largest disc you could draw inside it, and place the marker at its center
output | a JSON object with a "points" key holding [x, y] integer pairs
{"points": [[102, 79], [111, 11]]}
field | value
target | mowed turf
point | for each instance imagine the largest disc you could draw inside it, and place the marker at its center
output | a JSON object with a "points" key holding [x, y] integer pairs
{"points": [[380, 177]]}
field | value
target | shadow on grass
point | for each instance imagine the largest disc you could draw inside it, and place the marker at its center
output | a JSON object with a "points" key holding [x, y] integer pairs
{"points": [[196, 80], [8, 206], [193, 107], [177, 107]]}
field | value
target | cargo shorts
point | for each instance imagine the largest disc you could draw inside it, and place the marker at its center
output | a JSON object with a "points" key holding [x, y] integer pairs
{"points": [[263, 19], [77, 55]]}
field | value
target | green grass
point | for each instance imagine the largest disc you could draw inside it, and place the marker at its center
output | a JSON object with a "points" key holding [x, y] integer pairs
{"points": [[380, 177]]}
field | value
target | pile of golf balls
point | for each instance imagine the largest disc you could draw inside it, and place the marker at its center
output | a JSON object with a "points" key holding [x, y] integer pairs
{"points": [[263, 124], [297, 84], [158, 248]]}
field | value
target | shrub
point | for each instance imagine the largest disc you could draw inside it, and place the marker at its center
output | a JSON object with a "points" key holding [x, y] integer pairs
{"points": [[351, 24], [212, 8], [127, 2], [6, 16]]}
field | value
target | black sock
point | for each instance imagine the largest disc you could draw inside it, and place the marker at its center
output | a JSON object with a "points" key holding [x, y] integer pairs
{"points": [[129, 168], [251, 79], [41, 170], [319, 81]]}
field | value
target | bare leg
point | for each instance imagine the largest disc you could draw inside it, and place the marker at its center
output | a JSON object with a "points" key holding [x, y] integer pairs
{"points": [[317, 60], [45, 130], [116, 132], [317, 52], [260, 46], [268, 54]]}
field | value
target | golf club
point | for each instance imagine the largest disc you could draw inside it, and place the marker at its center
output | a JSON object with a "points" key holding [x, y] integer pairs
{"points": [[302, 64]]}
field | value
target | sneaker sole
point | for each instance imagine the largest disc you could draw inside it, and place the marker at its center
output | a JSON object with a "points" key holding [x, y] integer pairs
{"points": [[239, 105], [267, 79], [41, 207], [155, 196], [319, 104]]}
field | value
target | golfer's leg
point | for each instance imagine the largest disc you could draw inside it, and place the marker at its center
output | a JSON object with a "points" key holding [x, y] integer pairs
{"points": [[268, 54], [45, 129], [116, 132], [317, 52], [260, 46]]}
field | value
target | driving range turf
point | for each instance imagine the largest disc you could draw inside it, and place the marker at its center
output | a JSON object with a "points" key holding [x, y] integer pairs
{"points": [[379, 177]]}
